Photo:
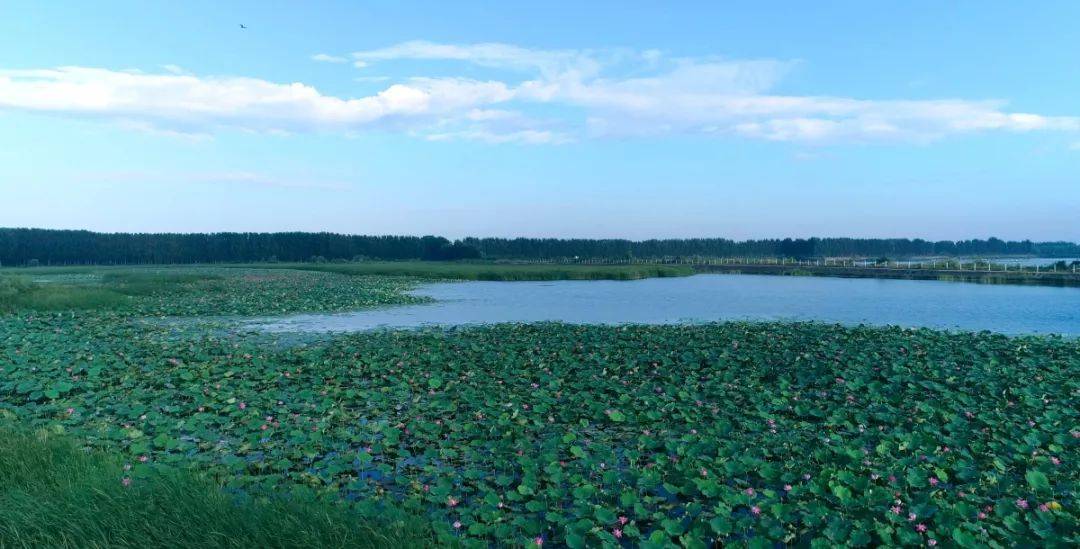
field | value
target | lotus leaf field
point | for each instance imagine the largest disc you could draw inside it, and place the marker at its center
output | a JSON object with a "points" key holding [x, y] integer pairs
{"points": [[759, 434]]}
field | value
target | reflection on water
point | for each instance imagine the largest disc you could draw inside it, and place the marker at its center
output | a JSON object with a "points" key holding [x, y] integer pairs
{"points": [[713, 297]]}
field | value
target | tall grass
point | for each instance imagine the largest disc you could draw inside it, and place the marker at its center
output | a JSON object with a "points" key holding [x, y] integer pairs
{"points": [[495, 271], [19, 293], [141, 282], [114, 287], [54, 494], [112, 291]]}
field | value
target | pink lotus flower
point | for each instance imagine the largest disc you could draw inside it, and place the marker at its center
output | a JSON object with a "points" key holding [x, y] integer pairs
{"points": [[911, 517], [457, 524], [623, 520], [933, 481], [895, 509], [242, 405], [1053, 459], [1043, 507], [931, 542], [755, 510], [750, 492], [451, 501], [539, 541], [981, 515], [616, 532], [1022, 503], [787, 487], [70, 411], [920, 527], [143, 459], [126, 481]]}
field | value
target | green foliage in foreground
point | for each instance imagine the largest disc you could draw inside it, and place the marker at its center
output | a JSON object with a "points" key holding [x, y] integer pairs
{"points": [[585, 435], [54, 494]]}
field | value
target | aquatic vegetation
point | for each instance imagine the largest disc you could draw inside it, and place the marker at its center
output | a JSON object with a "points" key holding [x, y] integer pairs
{"points": [[188, 291], [584, 435]]}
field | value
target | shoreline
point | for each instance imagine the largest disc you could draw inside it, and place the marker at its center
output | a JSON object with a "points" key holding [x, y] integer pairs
{"points": [[1046, 278]]}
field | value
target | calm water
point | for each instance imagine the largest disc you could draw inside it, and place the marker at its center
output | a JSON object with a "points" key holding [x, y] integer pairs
{"points": [[701, 298]]}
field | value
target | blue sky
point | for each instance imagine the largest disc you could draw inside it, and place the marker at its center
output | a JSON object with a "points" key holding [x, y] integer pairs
{"points": [[591, 119]]}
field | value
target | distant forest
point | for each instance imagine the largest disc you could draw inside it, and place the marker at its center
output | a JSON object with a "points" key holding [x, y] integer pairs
{"points": [[20, 247]]}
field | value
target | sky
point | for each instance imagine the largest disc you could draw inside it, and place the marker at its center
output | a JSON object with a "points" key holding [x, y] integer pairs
{"points": [[929, 119]]}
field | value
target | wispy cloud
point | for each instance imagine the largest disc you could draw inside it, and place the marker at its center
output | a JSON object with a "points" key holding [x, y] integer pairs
{"points": [[540, 96], [534, 137], [326, 58]]}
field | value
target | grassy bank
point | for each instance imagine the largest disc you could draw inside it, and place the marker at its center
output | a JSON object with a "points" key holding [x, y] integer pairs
{"points": [[56, 494]]}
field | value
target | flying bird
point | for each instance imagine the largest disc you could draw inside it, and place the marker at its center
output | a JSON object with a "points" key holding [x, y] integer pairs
{"points": [[243, 26]]}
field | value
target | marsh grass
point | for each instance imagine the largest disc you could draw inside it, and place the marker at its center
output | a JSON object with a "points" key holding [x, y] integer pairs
{"points": [[56, 494], [56, 291], [496, 271], [20, 293], [112, 288], [138, 283]]}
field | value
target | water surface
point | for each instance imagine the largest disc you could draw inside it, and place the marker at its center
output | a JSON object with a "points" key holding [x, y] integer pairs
{"points": [[715, 297]]}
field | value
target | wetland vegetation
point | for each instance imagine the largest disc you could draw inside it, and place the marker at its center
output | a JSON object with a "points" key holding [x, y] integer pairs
{"points": [[734, 433]]}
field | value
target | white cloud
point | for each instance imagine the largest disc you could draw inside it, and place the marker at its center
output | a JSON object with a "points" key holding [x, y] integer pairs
{"points": [[191, 104], [1075, 146], [326, 58], [613, 92]]}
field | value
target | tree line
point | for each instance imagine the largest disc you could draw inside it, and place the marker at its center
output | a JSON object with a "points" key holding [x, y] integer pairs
{"points": [[70, 247]]}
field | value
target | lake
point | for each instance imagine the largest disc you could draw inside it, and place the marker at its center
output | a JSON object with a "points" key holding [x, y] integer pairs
{"points": [[717, 297]]}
